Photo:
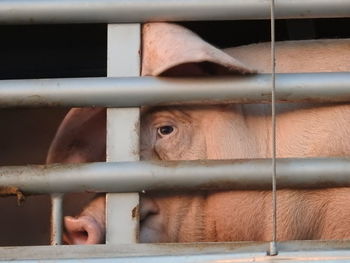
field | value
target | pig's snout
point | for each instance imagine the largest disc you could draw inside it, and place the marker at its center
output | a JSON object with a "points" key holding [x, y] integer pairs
{"points": [[83, 230], [89, 226]]}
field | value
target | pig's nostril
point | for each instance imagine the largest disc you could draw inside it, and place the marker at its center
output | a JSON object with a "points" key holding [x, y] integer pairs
{"points": [[148, 209], [83, 230]]}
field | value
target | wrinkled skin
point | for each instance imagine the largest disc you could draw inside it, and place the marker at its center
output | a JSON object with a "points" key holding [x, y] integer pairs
{"points": [[228, 132]]}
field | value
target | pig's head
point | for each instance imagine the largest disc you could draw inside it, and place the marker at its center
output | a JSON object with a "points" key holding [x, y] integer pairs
{"points": [[168, 133]]}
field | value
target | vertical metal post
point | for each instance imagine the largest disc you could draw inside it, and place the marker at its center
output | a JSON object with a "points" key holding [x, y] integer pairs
{"points": [[122, 210], [56, 219]]}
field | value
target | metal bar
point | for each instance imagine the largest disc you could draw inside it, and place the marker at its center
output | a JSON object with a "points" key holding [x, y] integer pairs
{"points": [[139, 11], [138, 176], [124, 43], [56, 219], [122, 145], [123, 131], [290, 251], [135, 91]]}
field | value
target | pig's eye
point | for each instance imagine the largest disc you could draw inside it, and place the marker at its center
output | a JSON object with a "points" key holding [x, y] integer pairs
{"points": [[165, 130]]}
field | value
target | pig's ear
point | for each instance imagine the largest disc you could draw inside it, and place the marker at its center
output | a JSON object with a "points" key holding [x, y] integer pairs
{"points": [[172, 50], [80, 138]]}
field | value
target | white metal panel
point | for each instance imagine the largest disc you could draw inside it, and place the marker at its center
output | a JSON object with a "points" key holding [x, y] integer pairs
{"points": [[123, 134], [122, 217], [123, 57]]}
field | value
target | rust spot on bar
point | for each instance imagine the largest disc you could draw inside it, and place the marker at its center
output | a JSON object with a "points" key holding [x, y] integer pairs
{"points": [[135, 213], [10, 190]]}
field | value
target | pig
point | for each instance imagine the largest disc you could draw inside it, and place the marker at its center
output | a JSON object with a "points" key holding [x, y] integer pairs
{"points": [[226, 131]]}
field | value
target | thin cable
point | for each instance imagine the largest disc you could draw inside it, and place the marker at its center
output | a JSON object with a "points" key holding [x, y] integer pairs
{"points": [[273, 247]]}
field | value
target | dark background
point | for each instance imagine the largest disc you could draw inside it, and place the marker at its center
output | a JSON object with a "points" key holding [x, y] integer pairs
{"points": [[60, 51]]}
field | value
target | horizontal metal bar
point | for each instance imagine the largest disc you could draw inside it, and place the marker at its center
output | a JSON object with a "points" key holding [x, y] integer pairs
{"points": [[290, 251], [135, 91], [138, 11], [139, 176]]}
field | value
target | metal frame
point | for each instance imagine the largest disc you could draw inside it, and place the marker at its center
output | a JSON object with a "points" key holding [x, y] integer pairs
{"points": [[129, 11], [56, 179]]}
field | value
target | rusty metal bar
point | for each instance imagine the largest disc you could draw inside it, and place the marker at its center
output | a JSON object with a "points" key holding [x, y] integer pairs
{"points": [[186, 175], [56, 219], [139, 11], [135, 91]]}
